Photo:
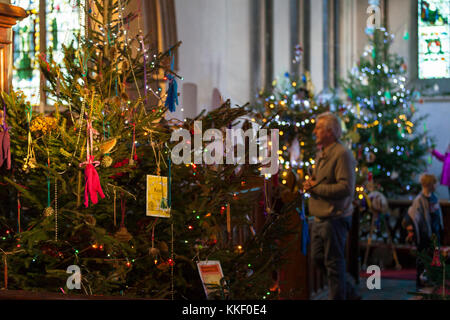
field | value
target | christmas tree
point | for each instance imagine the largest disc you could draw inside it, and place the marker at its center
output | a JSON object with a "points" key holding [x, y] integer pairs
{"points": [[382, 126], [289, 105], [77, 193], [437, 273]]}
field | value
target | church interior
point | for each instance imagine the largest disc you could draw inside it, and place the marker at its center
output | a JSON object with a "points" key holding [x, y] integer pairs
{"points": [[96, 202]]}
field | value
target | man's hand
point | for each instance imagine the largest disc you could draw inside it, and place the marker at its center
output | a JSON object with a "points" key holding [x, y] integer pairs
{"points": [[409, 237], [308, 184]]}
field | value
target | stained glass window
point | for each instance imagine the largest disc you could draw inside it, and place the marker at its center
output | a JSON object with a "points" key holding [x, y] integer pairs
{"points": [[26, 76], [61, 21], [433, 37]]}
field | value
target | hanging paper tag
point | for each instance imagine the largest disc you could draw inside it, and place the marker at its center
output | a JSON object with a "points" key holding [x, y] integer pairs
{"points": [[157, 197], [210, 274]]}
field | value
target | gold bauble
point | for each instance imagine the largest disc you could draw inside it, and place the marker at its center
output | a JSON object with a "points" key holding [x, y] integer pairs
{"points": [[49, 211], [107, 161]]}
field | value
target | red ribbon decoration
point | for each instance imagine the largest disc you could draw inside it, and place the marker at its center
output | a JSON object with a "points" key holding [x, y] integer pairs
{"points": [[92, 180]]}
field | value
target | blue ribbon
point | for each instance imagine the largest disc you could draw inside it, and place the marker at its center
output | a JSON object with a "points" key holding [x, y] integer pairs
{"points": [[305, 232], [172, 94]]}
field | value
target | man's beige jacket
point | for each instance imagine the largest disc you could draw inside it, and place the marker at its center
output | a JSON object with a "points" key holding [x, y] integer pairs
{"points": [[335, 170]]}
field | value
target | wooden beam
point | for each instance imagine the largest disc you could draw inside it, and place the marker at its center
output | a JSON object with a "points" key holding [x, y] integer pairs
{"points": [[9, 14]]}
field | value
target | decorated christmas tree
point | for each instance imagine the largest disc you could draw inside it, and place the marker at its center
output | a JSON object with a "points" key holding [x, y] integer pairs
{"points": [[437, 273], [92, 184], [383, 128], [289, 105]]}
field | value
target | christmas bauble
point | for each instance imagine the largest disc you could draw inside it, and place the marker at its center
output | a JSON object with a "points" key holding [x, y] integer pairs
{"points": [[49, 211], [107, 161]]}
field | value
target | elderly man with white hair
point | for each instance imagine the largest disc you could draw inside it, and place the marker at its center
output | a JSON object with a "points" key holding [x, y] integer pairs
{"points": [[331, 188]]}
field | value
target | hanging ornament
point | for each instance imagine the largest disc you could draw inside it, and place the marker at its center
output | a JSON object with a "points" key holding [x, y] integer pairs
{"points": [[305, 229], [387, 95], [436, 258], [406, 35], [5, 140], [90, 220], [106, 161], [133, 146], [154, 252], [92, 186], [107, 146], [172, 94], [30, 160], [49, 211], [123, 235]]}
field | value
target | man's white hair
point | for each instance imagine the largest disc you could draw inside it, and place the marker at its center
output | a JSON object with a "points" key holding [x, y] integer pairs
{"points": [[332, 123]]}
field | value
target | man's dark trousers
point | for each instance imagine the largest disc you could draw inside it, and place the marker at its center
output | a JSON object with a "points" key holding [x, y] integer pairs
{"points": [[328, 237]]}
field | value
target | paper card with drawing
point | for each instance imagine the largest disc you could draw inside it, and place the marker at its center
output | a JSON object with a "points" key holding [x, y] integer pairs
{"points": [[210, 274], [157, 197]]}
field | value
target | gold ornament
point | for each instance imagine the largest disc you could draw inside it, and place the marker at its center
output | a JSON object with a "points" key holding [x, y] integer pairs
{"points": [[154, 252], [107, 161], [49, 211], [90, 220], [107, 146], [123, 235]]}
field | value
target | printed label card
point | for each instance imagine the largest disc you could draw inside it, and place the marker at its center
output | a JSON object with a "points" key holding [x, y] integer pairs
{"points": [[157, 197]]}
